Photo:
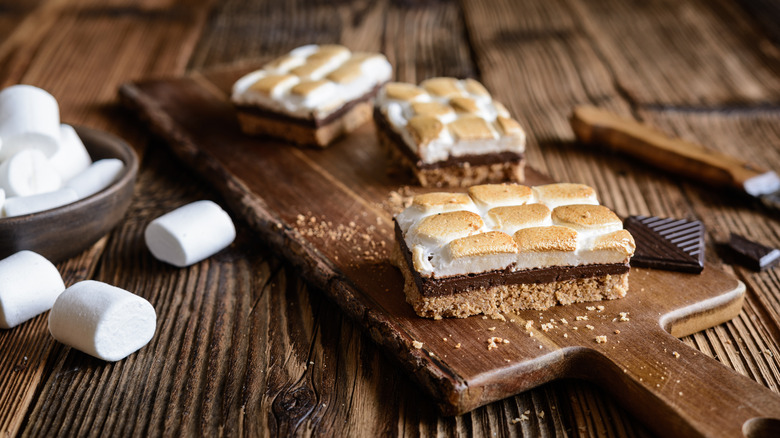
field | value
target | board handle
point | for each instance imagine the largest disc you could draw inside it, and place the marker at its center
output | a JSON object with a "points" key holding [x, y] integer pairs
{"points": [[679, 391], [594, 125]]}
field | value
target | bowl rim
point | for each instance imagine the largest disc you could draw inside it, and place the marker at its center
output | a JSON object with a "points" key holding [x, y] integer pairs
{"points": [[128, 156]]}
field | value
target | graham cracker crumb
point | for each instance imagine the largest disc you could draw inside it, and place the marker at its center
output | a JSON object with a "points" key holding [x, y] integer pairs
{"points": [[540, 414], [617, 332], [676, 354], [417, 344], [492, 329], [529, 325], [564, 321], [600, 308], [430, 353], [591, 308], [589, 327], [565, 335], [444, 339], [516, 420], [624, 317], [582, 318], [601, 339], [494, 341], [457, 345]]}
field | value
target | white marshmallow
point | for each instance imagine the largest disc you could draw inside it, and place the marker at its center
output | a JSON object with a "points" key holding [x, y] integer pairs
{"points": [[190, 233], [27, 173], [29, 119], [72, 157], [29, 285], [98, 176], [102, 320], [2, 202], [21, 205]]}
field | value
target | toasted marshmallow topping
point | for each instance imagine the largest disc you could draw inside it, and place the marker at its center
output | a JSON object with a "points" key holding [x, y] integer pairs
{"points": [[472, 122], [511, 226], [339, 75], [554, 195], [495, 195], [515, 217]]}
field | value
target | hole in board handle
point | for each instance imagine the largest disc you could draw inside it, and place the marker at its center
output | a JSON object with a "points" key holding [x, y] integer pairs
{"points": [[761, 428]]}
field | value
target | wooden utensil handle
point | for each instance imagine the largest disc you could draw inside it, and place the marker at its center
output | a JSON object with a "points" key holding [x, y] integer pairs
{"points": [[679, 391], [595, 125]]}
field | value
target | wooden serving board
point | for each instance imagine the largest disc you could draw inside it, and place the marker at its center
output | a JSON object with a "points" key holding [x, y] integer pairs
{"points": [[330, 213]]}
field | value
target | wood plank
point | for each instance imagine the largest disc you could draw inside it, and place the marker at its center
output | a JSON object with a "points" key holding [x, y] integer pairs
{"points": [[692, 54]]}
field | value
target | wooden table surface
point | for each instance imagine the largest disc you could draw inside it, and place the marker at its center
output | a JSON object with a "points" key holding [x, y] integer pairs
{"points": [[243, 345]]}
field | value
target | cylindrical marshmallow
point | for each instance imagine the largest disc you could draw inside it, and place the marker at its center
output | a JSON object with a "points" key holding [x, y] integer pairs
{"points": [[21, 205], [29, 285], [29, 119], [27, 173], [72, 157], [102, 320], [98, 176], [190, 233]]}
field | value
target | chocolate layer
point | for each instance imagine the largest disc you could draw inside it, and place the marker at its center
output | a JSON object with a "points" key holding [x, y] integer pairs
{"points": [[474, 160], [433, 287], [313, 122]]}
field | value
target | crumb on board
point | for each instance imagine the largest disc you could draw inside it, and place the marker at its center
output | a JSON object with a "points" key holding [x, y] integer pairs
{"points": [[540, 414], [676, 354], [417, 344], [492, 329], [457, 345], [564, 321], [601, 339], [617, 332], [430, 353], [547, 327], [623, 317], [565, 335], [582, 318], [600, 308], [591, 308], [589, 327], [529, 325], [494, 341], [362, 240]]}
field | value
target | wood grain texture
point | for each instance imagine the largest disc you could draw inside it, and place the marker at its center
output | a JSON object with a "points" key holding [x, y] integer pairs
{"points": [[545, 53]]}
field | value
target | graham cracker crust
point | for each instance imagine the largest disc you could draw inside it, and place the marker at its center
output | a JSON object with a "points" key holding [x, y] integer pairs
{"points": [[298, 133], [461, 175], [508, 298]]}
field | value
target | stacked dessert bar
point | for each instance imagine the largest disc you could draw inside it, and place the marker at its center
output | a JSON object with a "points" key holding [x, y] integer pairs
{"points": [[505, 247], [311, 95], [449, 133]]}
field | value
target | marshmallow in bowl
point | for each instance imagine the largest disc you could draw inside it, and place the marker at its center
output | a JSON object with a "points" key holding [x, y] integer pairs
{"points": [[190, 233], [96, 177], [101, 320], [29, 119], [21, 205], [28, 172], [71, 157], [29, 285]]}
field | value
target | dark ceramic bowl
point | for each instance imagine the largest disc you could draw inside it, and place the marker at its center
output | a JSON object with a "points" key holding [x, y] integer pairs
{"points": [[63, 232]]}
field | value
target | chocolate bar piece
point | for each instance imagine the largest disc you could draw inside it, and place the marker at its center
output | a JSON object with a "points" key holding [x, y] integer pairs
{"points": [[311, 95], [667, 244], [449, 133], [753, 254], [505, 247]]}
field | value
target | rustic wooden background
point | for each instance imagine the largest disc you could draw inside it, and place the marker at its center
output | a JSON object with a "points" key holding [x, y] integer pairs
{"points": [[243, 345]]}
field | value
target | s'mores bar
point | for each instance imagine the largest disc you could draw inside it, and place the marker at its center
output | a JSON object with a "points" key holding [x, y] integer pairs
{"points": [[501, 248], [311, 95], [449, 133]]}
